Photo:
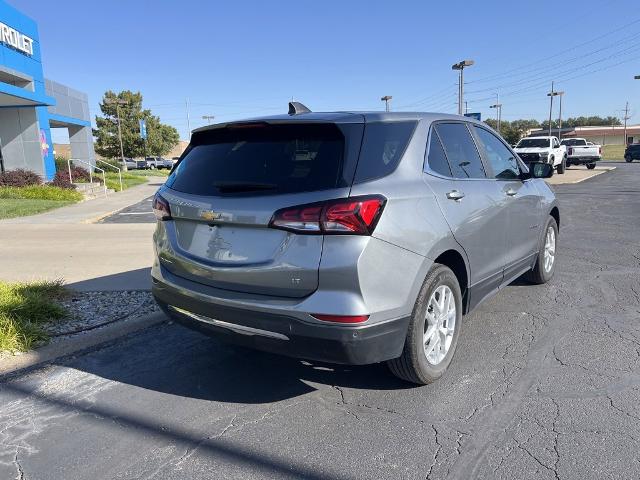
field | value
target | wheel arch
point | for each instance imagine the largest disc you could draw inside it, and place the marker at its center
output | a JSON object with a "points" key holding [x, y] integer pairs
{"points": [[455, 260], [555, 213]]}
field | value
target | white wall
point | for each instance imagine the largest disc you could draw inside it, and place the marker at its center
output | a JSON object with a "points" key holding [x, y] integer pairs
{"points": [[20, 139]]}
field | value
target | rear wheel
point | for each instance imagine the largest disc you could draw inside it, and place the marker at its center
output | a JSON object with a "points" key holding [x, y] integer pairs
{"points": [[546, 262], [628, 159], [433, 331], [591, 166]]}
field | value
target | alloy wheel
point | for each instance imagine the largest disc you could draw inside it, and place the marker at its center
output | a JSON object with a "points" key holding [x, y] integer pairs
{"points": [[440, 324]]}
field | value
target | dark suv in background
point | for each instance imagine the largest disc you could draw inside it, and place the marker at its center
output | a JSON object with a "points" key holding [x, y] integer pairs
{"points": [[632, 152]]}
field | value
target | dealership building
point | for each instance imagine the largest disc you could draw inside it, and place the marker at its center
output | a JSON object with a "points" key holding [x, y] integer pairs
{"points": [[31, 105]]}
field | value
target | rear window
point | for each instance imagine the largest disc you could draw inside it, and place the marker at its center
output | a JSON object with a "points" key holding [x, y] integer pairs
{"points": [[573, 142], [263, 159], [383, 145]]}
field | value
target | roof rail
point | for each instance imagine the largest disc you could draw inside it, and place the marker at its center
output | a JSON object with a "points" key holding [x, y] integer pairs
{"points": [[297, 108]]}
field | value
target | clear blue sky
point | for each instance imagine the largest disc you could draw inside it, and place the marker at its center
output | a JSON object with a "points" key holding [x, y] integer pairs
{"points": [[246, 58]]}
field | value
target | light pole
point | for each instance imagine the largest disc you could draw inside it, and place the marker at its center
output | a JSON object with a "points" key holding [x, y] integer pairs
{"points": [[552, 94], [208, 118], [386, 99], [117, 102], [498, 107], [460, 67]]}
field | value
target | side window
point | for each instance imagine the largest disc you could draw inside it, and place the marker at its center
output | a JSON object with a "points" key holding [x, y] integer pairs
{"points": [[555, 143], [461, 150], [502, 161], [437, 160]]}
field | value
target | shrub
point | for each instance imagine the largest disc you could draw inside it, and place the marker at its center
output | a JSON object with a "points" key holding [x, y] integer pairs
{"points": [[78, 174], [61, 180], [41, 192], [19, 178], [109, 168], [61, 163]]}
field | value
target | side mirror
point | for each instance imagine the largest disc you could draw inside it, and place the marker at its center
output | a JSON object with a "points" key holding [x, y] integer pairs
{"points": [[540, 170]]}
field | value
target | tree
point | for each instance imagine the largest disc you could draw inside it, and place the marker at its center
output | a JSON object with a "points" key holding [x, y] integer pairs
{"points": [[161, 138], [513, 131]]}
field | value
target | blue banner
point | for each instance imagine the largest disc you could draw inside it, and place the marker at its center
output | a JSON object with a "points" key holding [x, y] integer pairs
{"points": [[143, 129]]}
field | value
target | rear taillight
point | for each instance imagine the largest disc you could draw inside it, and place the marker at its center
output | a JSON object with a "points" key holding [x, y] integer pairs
{"points": [[599, 150], [161, 208], [341, 318], [350, 216]]}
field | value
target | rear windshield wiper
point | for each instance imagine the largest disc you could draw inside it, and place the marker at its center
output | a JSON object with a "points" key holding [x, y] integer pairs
{"points": [[226, 187]]}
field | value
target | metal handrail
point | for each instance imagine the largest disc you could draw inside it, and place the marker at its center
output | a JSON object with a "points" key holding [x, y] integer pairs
{"points": [[119, 171], [104, 183]]}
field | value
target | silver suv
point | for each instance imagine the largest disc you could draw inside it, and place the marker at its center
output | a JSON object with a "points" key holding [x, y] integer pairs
{"points": [[349, 237]]}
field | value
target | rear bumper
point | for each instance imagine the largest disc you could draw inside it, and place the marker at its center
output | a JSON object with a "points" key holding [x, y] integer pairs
{"points": [[582, 160], [281, 332]]}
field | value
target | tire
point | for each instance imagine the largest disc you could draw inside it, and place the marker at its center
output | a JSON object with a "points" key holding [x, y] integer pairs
{"points": [[628, 159], [591, 166], [562, 166], [540, 274], [413, 365], [152, 167]]}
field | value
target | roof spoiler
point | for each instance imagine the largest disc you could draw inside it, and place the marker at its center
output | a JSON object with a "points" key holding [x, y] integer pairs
{"points": [[297, 108]]}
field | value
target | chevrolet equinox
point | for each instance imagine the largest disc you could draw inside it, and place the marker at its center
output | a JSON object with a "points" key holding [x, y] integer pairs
{"points": [[349, 237]]}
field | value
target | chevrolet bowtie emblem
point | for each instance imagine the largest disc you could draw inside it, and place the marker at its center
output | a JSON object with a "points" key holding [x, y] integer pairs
{"points": [[209, 215]]}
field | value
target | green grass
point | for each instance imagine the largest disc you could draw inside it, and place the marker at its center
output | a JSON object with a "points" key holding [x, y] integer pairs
{"points": [[23, 201], [150, 173], [25, 308], [613, 152], [128, 180], [41, 192], [22, 207]]}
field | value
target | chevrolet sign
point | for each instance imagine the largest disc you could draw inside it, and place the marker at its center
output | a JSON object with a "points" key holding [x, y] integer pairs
{"points": [[15, 39]]}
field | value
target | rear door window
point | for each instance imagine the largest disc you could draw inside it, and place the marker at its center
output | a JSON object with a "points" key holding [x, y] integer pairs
{"points": [[437, 159], [461, 151], [263, 159], [383, 145]]}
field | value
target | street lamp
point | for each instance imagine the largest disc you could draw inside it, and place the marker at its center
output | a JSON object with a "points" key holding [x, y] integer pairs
{"points": [[208, 118], [117, 102], [460, 66], [386, 100]]}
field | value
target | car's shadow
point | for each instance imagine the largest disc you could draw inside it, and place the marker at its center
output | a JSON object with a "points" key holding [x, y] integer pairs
{"points": [[174, 360]]}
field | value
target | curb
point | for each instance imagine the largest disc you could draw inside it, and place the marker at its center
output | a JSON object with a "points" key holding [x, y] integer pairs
{"points": [[78, 343]]}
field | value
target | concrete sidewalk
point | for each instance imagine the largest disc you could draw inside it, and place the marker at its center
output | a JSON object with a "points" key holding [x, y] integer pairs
{"points": [[91, 210]]}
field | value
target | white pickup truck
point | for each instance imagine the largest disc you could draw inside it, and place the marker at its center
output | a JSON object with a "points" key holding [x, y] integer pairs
{"points": [[543, 149], [582, 152]]}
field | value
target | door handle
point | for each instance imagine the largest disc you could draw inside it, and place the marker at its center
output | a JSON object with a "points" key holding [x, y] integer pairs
{"points": [[511, 192], [455, 195]]}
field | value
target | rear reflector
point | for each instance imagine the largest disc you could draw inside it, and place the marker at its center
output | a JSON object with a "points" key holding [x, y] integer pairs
{"points": [[341, 318], [351, 216]]}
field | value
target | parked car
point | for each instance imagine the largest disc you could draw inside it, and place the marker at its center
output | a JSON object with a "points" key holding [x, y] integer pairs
{"points": [[170, 162], [581, 152], [155, 162], [133, 164], [632, 152], [368, 247], [543, 149]]}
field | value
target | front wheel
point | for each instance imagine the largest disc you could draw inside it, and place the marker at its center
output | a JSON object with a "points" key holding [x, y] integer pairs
{"points": [[591, 166], [433, 331], [545, 264], [628, 159], [562, 166]]}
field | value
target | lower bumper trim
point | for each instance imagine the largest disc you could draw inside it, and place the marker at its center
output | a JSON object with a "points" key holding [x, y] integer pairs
{"points": [[241, 329]]}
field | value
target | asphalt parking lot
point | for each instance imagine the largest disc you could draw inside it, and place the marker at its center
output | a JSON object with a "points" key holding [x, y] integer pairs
{"points": [[545, 384]]}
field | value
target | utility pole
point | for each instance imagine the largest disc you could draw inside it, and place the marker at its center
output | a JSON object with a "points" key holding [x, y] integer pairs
{"points": [[498, 107], [117, 102], [552, 94], [208, 118], [460, 67], [186, 104], [386, 99], [626, 117], [466, 107], [560, 117]]}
